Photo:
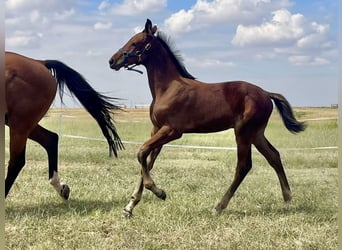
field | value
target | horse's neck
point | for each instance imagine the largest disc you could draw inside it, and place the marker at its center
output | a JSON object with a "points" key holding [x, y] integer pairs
{"points": [[161, 72]]}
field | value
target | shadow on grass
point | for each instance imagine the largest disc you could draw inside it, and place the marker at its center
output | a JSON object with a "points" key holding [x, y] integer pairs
{"points": [[51, 208], [300, 209]]}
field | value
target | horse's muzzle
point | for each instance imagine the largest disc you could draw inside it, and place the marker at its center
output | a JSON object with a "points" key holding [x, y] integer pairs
{"points": [[112, 64]]}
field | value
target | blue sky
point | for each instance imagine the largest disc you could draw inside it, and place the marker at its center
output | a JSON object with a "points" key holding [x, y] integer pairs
{"points": [[284, 46]]}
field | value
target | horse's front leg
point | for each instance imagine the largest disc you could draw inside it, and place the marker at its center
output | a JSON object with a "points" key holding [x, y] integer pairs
{"points": [[135, 198], [146, 157], [137, 193], [145, 173]]}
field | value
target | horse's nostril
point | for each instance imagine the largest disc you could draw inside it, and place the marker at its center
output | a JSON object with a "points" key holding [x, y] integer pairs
{"points": [[111, 61]]}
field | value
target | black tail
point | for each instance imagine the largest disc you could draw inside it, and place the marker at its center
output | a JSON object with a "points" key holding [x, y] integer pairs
{"points": [[286, 113], [98, 105]]}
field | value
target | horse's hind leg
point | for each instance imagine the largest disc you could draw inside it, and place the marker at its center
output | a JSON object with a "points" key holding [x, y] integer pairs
{"points": [[244, 164], [49, 141], [17, 157], [273, 158]]}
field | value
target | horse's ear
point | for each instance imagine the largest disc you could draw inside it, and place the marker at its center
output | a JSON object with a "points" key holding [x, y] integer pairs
{"points": [[148, 27], [154, 29]]}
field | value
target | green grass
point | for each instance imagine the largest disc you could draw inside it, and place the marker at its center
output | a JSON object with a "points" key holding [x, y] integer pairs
{"points": [[194, 180]]}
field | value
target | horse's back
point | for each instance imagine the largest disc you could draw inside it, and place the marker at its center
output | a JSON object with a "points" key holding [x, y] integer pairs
{"points": [[26, 68], [237, 93]]}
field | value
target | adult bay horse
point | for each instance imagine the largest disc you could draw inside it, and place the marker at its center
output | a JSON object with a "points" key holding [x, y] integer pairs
{"points": [[30, 88], [182, 104]]}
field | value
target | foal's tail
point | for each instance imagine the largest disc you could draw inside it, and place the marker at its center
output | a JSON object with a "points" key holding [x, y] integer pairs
{"points": [[98, 105], [286, 113]]}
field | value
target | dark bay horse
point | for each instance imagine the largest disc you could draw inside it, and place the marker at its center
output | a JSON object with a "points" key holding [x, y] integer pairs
{"points": [[182, 104], [30, 88]]}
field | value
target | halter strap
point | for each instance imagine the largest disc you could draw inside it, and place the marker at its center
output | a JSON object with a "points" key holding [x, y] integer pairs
{"points": [[137, 53]]}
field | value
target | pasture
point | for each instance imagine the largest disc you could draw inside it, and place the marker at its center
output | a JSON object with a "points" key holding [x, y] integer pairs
{"points": [[194, 180]]}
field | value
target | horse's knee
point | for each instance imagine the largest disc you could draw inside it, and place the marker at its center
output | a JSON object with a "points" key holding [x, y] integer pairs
{"points": [[142, 155]]}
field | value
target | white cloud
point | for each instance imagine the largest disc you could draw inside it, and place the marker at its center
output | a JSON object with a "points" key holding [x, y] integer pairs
{"points": [[289, 36], [307, 60], [17, 4], [92, 53], [205, 13], [315, 38], [34, 15], [64, 14], [180, 22], [28, 21], [47, 5], [23, 40], [207, 63], [284, 28], [103, 5], [24, 13], [133, 7], [102, 26]]}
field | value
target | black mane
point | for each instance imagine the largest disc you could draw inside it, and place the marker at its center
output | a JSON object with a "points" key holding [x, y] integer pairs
{"points": [[175, 55]]}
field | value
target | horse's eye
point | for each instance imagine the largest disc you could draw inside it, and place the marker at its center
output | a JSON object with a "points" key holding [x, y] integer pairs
{"points": [[134, 44]]}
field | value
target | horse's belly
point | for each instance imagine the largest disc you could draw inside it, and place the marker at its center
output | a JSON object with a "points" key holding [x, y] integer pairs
{"points": [[215, 125]]}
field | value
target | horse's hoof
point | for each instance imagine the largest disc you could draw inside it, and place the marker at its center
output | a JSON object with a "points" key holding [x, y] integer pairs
{"points": [[162, 195], [126, 214], [217, 210], [287, 205], [65, 191]]}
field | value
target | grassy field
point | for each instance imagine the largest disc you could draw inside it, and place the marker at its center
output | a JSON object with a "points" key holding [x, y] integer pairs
{"points": [[194, 180]]}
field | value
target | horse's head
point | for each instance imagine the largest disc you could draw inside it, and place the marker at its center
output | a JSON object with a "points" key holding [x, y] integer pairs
{"points": [[134, 52]]}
